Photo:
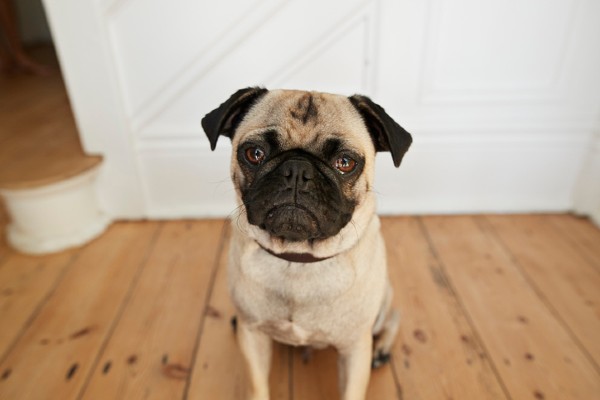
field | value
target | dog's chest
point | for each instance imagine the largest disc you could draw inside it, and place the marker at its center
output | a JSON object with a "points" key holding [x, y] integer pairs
{"points": [[312, 304], [291, 332], [300, 323]]}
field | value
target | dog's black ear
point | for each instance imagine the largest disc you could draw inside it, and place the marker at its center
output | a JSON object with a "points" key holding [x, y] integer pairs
{"points": [[225, 119], [387, 135]]}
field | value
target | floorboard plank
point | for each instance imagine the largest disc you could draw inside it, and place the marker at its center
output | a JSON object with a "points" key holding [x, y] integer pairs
{"points": [[535, 356], [315, 377], [25, 282], [149, 354], [55, 354], [582, 234], [219, 369], [563, 277], [437, 355]]}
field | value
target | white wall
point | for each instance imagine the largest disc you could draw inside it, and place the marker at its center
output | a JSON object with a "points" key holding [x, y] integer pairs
{"points": [[502, 98]]}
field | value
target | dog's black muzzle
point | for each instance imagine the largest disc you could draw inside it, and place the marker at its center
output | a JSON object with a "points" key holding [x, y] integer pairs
{"points": [[298, 199]]}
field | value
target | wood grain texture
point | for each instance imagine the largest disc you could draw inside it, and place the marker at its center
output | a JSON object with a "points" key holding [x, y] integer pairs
{"points": [[149, 354], [581, 234], [58, 348], [25, 283], [534, 354], [564, 278], [315, 377], [437, 355], [144, 312]]}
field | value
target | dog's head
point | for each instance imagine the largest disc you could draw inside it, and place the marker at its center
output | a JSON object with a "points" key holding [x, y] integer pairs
{"points": [[302, 164]]}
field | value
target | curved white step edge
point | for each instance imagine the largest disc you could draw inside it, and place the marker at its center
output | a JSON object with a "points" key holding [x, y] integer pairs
{"points": [[56, 216]]}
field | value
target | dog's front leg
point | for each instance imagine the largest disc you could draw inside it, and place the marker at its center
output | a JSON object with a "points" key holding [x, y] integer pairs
{"points": [[256, 348], [354, 368]]}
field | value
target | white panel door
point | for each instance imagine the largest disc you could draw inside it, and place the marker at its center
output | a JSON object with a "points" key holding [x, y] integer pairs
{"points": [[502, 98]]}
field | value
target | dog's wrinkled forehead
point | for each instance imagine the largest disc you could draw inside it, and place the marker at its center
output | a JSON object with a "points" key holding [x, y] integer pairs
{"points": [[304, 120]]}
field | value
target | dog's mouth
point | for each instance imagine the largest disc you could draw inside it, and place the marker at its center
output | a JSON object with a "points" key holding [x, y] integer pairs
{"points": [[291, 222]]}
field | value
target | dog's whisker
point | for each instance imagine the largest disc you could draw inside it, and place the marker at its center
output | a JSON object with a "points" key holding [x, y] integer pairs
{"points": [[377, 192], [235, 216]]}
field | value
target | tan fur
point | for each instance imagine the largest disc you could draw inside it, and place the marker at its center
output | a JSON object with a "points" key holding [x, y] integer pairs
{"points": [[335, 302]]}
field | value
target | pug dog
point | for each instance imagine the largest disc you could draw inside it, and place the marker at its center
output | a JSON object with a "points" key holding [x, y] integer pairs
{"points": [[307, 263]]}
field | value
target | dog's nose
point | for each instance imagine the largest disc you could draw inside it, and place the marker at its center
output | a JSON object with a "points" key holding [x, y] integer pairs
{"points": [[297, 173]]}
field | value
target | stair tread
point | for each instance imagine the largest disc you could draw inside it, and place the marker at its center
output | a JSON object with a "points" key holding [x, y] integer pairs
{"points": [[39, 142]]}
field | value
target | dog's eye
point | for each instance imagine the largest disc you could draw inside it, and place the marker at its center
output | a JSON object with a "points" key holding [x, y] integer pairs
{"points": [[255, 155], [345, 164]]}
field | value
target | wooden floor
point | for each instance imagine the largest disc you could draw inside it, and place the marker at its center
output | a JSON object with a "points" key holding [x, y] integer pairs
{"points": [[494, 307], [39, 143]]}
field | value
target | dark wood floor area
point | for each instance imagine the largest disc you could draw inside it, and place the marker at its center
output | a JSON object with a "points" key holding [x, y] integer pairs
{"points": [[493, 307]]}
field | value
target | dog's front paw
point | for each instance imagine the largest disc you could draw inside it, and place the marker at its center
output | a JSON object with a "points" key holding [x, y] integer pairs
{"points": [[384, 339], [379, 359]]}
